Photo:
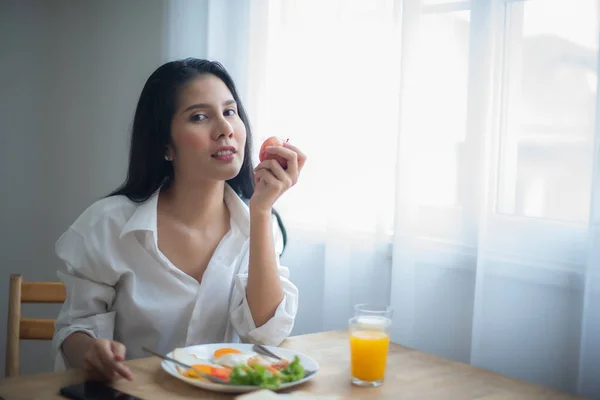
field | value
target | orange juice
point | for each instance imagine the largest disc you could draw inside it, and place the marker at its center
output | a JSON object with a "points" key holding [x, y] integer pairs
{"points": [[368, 351]]}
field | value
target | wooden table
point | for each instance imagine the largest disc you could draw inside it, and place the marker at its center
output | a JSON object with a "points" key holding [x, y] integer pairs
{"points": [[410, 375]]}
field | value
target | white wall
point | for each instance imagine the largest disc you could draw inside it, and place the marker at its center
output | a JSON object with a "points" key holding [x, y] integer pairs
{"points": [[71, 73]]}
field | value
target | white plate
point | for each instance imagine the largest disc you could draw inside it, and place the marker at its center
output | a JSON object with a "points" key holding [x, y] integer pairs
{"points": [[204, 352]]}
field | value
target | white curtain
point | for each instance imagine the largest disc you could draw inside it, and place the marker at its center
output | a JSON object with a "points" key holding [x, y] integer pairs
{"points": [[453, 172]]}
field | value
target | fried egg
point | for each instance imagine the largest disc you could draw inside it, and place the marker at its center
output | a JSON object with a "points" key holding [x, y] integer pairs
{"points": [[187, 357], [225, 350], [192, 360], [229, 358]]}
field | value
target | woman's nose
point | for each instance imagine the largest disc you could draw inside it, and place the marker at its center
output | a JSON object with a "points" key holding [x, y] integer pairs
{"points": [[224, 128]]}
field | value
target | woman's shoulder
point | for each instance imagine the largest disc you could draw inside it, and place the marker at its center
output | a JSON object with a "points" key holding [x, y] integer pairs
{"points": [[85, 244], [111, 212]]}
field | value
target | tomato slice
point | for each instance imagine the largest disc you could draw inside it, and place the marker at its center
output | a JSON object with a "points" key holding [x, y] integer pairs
{"points": [[221, 373]]}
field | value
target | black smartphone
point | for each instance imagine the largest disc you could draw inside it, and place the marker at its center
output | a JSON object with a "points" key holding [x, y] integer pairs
{"points": [[92, 390]]}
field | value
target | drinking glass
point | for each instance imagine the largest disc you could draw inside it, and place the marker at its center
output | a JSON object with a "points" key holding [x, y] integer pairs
{"points": [[373, 310], [369, 344]]}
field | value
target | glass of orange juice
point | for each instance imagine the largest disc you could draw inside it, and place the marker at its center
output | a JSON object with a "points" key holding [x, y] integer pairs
{"points": [[369, 343]]}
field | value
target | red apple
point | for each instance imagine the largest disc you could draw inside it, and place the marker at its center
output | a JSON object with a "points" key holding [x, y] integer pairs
{"points": [[264, 155]]}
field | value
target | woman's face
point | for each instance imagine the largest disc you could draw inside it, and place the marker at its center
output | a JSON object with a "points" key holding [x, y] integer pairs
{"points": [[207, 134]]}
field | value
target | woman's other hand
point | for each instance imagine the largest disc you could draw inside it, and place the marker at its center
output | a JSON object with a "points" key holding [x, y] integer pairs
{"points": [[103, 361]]}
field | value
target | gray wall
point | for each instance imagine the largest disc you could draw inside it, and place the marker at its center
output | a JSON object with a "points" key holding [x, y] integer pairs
{"points": [[70, 75]]}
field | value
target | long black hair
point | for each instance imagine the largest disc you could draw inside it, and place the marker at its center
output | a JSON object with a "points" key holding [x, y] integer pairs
{"points": [[151, 133]]}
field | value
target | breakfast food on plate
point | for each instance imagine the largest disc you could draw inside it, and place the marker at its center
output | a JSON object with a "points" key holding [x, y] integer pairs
{"points": [[241, 368], [228, 357], [199, 365], [264, 155]]}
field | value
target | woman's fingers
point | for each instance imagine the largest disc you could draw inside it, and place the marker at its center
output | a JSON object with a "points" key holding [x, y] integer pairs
{"points": [[271, 179], [123, 370], [105, 358], [261, 174], [96, 370], [119, 350], [288, 155], [300, 155], [275, 169], [112, 353], [295, 158], [266, 177]]}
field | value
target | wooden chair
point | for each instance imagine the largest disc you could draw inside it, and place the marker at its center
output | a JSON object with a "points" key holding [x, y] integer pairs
{"points": [[28, 328]]}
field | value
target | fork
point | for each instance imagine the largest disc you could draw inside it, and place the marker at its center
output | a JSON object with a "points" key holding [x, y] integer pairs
{"points": [[259, 348]]}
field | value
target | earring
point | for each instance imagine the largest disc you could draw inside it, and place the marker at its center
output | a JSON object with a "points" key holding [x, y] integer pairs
{"points": [[167, 158]]}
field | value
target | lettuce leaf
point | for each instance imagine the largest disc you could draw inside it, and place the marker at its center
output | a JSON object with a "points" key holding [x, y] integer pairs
{"points": [[258, 375], [293, 372]]}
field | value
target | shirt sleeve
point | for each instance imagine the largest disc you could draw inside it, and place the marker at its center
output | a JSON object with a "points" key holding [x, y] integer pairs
{"points": [[90, 294], [280, 326]]}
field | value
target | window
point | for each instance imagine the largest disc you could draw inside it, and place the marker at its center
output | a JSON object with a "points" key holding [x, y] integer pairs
{"points": [[549, 109], [501, 92], [437, 97]]}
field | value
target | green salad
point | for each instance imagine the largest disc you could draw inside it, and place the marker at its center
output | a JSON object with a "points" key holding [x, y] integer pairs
{"points": [[261, 376]]}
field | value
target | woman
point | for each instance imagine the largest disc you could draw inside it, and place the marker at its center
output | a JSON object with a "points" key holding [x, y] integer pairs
{"points": [[176, 257]]}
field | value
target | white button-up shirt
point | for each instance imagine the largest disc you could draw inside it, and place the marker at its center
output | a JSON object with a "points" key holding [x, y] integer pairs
{"points": [[121, 287]]}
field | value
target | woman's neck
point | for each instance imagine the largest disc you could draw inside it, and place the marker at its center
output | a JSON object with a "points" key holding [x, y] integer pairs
{"points": [[197, 205]]}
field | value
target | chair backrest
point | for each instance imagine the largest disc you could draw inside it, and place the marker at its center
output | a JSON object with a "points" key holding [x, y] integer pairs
{"points": [[28, 328]]}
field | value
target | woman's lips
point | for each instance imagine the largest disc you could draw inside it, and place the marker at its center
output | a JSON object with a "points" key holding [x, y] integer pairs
{"points": [[226, 154]]}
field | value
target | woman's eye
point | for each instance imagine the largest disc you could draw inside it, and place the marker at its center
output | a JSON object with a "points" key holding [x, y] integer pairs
{"points": [[198, 117], [229, 112]]}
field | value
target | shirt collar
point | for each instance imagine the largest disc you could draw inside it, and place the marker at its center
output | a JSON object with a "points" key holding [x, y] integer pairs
{"points": [[144, 217]]}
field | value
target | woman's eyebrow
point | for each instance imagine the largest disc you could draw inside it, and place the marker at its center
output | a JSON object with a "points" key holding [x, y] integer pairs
{"points": [[204, 105]]}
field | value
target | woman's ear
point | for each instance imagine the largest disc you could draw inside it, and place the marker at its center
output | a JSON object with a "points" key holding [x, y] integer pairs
{"points": [[169, 153]]}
